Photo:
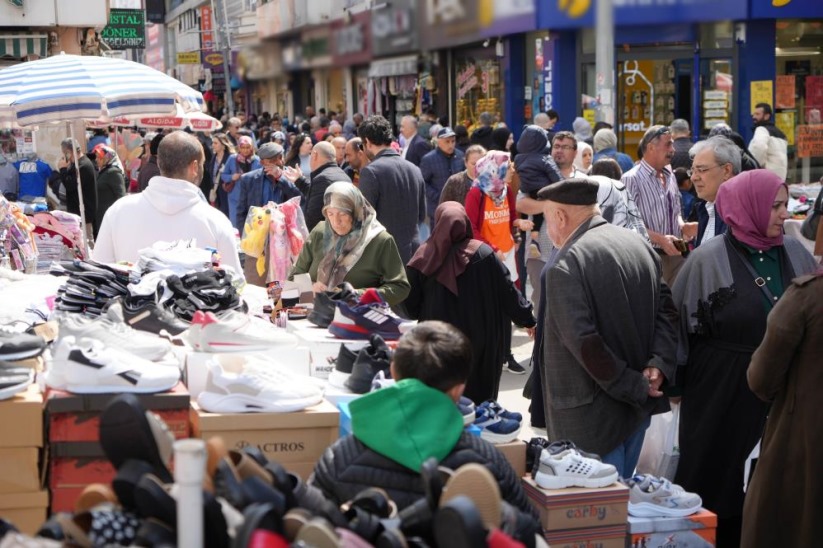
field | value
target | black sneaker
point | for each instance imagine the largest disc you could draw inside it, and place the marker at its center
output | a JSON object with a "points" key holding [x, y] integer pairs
{"points": [[325, 303], [20, 346], [344, 364], [512, 366], [14, 379], [371, 360], [146, 316]]}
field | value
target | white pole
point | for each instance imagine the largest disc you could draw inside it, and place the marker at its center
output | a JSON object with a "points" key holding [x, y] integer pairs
{"points": [[85, 240], [189, 470]]}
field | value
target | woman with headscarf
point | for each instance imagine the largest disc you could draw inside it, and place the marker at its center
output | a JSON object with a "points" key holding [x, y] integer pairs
{"points": [[724, 293], [583, 160], [352, 246], [502, 139], [457, 279], [111, 184], [582, 130], [244, 161]]}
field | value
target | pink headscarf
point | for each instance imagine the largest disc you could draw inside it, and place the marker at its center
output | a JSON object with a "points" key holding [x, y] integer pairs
{"points": [[491, 175], [745, 202]]}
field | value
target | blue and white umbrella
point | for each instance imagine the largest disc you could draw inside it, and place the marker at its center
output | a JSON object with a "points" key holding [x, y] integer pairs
{"points": [[73, 87]]}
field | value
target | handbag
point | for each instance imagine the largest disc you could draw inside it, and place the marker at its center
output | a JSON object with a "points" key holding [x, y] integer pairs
{"points": [[660, 453], [758, 279], [810, 225]]}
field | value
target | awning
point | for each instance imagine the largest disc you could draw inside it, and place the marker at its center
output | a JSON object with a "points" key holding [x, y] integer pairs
{"points": [[21, 45], [393, 66]]}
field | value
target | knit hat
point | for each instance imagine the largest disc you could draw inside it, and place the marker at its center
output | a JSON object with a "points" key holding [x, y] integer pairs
{"points": [[604, 138]]}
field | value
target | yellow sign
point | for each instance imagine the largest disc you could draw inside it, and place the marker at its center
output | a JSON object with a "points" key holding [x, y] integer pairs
{"points": [[574, 8], [589, 115], [785, 123], [762, 92], [188, 58]]}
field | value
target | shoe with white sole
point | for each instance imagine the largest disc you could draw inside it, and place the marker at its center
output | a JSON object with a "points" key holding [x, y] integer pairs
{"points": [[114, 334], [571, 469], [87, 366], [652, 497], [369, 316], [494, 428], [236, 332], [16, 346], [255, 385], [14, 379]]}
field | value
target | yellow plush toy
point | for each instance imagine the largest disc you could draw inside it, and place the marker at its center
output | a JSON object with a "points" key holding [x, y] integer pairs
{"points": [[255, 233]]}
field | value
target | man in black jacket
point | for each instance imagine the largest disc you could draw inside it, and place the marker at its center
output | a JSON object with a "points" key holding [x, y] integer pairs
{"points": [[416, 146], [88, 181], [393, 186], [324, 171]]}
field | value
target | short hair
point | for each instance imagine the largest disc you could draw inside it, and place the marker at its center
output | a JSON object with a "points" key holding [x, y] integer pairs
{"points": [[412, 118], [552, 114], [681, 175], [679, 126], [155, 143], [541, 118], [70, 144], [560, 135], [767, 108], [356, 143], [486, 118], [601, 125], [377, 130], [324, 122], [326, 150], [234, 121], [475, 149], [651, 134], [176, 153], [607, 167], [724, 149], [435, 353]]}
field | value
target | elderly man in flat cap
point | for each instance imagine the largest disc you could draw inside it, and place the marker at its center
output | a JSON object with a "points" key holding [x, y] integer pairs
{"points": [[607, 329]]}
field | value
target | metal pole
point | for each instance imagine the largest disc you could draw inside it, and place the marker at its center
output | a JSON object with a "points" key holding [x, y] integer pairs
{"points": [[79, 191], [604, 61], [226, 56]]}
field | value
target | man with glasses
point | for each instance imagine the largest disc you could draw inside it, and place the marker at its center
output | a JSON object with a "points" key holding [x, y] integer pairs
{"points": [[714, 161], [652, 185], [564, 151]]}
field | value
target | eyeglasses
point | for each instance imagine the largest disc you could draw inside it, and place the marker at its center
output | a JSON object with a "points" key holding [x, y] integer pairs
{"points": [[701, 170], [564, 147]]}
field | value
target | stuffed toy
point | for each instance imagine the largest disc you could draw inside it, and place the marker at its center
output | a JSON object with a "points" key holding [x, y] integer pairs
{"points": [[255, 233]]}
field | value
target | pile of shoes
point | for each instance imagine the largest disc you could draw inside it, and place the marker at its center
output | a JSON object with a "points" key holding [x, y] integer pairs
{"points": [[207, 291], [561, 464], [652, 497], [350, 314], [357, 366], [496, 424], [15, 347], [89, 286]]}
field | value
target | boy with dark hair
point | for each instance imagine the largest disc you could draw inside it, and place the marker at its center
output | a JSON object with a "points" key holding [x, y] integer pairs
{"points": [[395, 429]]}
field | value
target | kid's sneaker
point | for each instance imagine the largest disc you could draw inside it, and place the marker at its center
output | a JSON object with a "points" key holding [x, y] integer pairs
{"points": [[571, 469], [494, 428], [652, 497]]}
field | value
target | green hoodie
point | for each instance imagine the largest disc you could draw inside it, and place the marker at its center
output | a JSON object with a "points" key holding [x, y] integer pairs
{"points": [[408, 423]]}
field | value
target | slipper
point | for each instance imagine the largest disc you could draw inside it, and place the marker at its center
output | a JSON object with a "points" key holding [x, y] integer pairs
{"points": [[318, 533], [459, 524], [478, 484], [293, 521], [375, 501], [125, 481], [154, 533], [94, 495]]}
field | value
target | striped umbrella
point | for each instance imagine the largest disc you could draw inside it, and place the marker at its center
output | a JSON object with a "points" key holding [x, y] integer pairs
{"points": [[73, 87], [198, 121]]}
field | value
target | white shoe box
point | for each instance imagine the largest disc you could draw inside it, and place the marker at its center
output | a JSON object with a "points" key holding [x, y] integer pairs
{"points": [[323, 346]]}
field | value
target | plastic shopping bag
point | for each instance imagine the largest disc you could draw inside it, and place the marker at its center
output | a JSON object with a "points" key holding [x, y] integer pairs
{"points": [[661, 451]]}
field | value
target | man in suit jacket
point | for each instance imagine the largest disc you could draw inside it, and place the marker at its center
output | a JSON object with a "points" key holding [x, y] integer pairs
{"points": [[393, 186], [324, 171], [416, 146], [607, 326]]}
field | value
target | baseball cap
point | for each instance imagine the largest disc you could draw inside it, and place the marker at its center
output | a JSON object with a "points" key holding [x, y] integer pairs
{"points": [[279, 135], [445, 132]]}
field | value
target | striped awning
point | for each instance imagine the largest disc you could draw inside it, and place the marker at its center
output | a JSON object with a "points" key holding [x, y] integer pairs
{"points": [[19, 46]]}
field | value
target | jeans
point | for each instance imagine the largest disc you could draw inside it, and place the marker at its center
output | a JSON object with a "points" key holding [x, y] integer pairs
{"points": [[624, 457]]}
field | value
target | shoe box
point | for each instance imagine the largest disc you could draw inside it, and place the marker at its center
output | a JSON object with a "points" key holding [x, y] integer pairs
{"points": [[572, 516], [296, 440], [696, 531], [75, 457], [515, 453], [323, 346], [22, 499], [295, 360]]}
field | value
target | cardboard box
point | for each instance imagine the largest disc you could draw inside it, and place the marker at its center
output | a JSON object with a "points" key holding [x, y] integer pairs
{"points": [[27, 510], [594, 537], [323, 346], [336, 396], [21, 419], [297, 360], [292, 439], [20, 471], [515, 453], [579, 508], [696, 531]]}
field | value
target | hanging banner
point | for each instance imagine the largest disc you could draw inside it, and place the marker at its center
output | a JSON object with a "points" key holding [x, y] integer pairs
{"points": [[784, 92], [761, 92], [206, 28], [126, 29]]}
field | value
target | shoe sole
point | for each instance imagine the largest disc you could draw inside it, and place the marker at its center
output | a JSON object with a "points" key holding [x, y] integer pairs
{"points": [[514, 371], [338, 379], [243, 403], [649, 510], [459, 525], [355, 332], [496, 439], [478, 484], [119, 389], [11, 391], [547, 481], [22, 354]]}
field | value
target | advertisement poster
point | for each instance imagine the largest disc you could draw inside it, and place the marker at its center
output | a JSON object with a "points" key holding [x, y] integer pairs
{"points": [[809, 141], [762, 91], [814, 99], [785, 122], [542, 96], [784, 92]]}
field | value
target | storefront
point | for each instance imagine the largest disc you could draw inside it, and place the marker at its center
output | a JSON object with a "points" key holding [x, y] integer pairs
{"points": [[351, 52]]}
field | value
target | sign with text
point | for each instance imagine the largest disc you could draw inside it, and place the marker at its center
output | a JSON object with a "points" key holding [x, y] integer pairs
{"points": [[188, 58], [784, 92], [575, 14], [206, 28], [809, 141], [126, 29], [761, 92], [785, 123]]}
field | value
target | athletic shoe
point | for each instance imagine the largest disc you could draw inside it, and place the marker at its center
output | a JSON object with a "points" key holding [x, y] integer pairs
{"points": [[325, 303], [145, 316], [236, 332], [559, 446], [87, 366], [370, 316], [494, 428], [20, 346], [381, 380], [498, 409], [255, 386], [652, 497], [467, 409], [14, 379], [343, 364], [571, 469], [114, 335], [513, 366], [371, 360]]}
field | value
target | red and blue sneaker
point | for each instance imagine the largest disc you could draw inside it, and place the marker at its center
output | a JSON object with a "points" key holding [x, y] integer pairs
{"points": [[370, 316]]}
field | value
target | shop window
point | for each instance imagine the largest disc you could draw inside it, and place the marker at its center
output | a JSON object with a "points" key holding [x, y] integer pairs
{"points": [[479, 89], [718, 92], [718, 35]]}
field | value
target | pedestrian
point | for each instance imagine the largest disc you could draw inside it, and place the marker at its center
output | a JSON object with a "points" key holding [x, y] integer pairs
{"points": [[583, 159], [88, 183], [483, 134], [438, 165], [111, 185], [605, 146], [714, 161], [150, 168], [769, 144], [356, 159], [459, 184], [243, 162], [582, 130], [502, 139], [222, 150], [682, 142], [416, 146], [324, 172]]}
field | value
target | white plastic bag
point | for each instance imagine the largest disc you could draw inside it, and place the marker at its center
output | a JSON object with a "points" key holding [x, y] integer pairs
{"points": [[661, 447]]}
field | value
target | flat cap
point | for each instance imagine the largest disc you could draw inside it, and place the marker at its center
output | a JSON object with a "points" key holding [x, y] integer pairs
{"points": [[576, 191], [270, 150]]}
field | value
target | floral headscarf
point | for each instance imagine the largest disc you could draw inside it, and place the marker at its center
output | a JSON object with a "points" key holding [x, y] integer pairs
{"points": [[111, 159], [491, 175]]}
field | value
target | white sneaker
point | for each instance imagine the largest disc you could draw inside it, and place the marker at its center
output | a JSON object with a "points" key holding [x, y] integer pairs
{"points": [[236, 332], [570, 469], [115, 335], [652, 497], [87, 366], [255, 385]]}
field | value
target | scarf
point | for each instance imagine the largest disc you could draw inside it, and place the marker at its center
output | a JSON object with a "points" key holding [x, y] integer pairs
{"points": [[447, 252], [491, 175], [341, 253], [745, 201], [112, 160]]}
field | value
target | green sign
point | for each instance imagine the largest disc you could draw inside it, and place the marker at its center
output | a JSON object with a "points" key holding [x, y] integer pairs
{"points": [[126, 29]]}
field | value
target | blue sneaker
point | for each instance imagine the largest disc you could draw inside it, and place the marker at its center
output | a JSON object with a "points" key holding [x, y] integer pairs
{"points": [[467, 409], [370, 316], [494, 428], [497, 409]]}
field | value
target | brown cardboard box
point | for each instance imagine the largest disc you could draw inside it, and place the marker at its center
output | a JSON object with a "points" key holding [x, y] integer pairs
{"points": [[297, 440], [595, 537], [27, 511], [515, 453], [20, 471], [696, 531], [579, 508], [21, 419]]}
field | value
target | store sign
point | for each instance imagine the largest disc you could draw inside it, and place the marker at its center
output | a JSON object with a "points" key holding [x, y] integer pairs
{"points": [[573, 14], [213, 65], [450, 23], [783, 9], [206, 28], [466, 80], [154, 48], [126, 29], [761, 92], [394, 27], [188, 58], [351, 41], [156, 11], [544, 64], [809, 141]]}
